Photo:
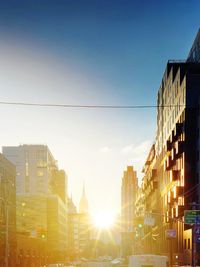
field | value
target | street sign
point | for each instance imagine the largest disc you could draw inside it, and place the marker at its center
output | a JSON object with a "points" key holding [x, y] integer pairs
{"points": [[197, 230], [197, 238], [192, 216], [198, 220], [149, 220], [170, 233]]}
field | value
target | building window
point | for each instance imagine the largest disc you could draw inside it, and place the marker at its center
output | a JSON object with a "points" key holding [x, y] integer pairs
{"points": [[27, 184], [185, 243], [41, 157], [188, 243], [40, 173], [26, 169]]}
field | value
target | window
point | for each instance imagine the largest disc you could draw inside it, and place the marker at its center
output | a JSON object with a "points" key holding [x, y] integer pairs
{"points": [[41, 158], [40, 173], [188, 243], [27, 184], [26, 169]]}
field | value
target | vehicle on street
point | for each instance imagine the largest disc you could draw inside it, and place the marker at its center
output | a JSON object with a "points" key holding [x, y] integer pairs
{"points": [[56, 265], [148, 260], [96, 264]]}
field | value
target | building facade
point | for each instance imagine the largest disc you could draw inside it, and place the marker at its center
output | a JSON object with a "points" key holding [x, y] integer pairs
{"points": [[7, 213], [172, 175], [41, 200], [128, 197], [79, 228], [34, 167]]}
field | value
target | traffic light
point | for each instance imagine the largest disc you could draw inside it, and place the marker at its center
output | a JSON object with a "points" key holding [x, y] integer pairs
{"points": [[41, 233], [140, 225]]}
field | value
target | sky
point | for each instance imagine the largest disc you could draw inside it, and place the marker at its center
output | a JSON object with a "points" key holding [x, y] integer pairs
{"points": [[91, 53]]}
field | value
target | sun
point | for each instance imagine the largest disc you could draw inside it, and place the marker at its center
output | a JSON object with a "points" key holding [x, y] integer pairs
{"points": [[103, 220]]}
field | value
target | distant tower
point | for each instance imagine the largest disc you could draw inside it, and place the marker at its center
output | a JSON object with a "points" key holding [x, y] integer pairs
{"points": [[83, 205], [128, 195]]}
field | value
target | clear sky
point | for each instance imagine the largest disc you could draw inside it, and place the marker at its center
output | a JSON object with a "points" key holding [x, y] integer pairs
{"points": [[89, 52]]}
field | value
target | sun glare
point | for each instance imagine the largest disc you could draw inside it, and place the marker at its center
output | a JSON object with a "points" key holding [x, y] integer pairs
{"points": [[103, 220]]}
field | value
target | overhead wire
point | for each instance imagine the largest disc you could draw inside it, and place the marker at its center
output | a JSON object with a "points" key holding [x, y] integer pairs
{"points": [[89, 106]]}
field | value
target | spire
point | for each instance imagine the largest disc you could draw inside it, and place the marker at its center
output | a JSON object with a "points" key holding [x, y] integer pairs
{"points": [[83, 193], [83, 206]]}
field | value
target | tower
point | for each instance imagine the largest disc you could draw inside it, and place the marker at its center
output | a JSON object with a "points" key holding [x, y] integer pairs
{"points": [[128, 195]]}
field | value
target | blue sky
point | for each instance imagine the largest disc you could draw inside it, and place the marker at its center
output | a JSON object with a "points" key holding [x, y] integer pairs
{"points": [[90, 52]]}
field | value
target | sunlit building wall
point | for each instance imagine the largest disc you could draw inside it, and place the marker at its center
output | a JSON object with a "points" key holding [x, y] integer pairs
{"points": [[58, 184], [34, 167], [44, 218], [152, 215], [7, 213], [175, 167], [177, 146], [79, 226], [41, 197], [56, 227], [128, 197]]}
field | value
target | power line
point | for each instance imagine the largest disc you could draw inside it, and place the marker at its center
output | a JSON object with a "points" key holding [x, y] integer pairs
{"points": [[88, 106]]}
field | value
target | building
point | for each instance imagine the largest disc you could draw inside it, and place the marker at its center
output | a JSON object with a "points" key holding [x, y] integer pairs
{"points": [[128, 196], [79, 227], [149, 208], [83, 205], [175, 167], [59, 183], [41, 200], [34, 167], [43, 218], [7, 213], [194, 54]]}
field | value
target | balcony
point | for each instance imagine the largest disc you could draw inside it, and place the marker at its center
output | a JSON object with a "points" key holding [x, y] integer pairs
{"points": [[175, 175], [174, 137], [179, 190], [169, 163], [169, 145], [153, 173], [180, 149], [154, 185], [173, 153], [179, 129], [177, 132], [180, 211]]}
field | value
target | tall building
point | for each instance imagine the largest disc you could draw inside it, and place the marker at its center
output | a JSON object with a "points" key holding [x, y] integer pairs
{"points": [[128, 196], [7, 213], [41, 200], [43, 217], [79, 227], [58, 184], [83, 205], [175, 168], [34, 167], [194, 55]]}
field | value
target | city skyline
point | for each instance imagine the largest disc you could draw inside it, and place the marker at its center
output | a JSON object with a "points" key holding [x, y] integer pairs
{"points": [[89, 54]]}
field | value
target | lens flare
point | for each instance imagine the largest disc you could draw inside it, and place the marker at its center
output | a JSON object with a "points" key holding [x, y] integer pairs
{"points": [[103, 220]]}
